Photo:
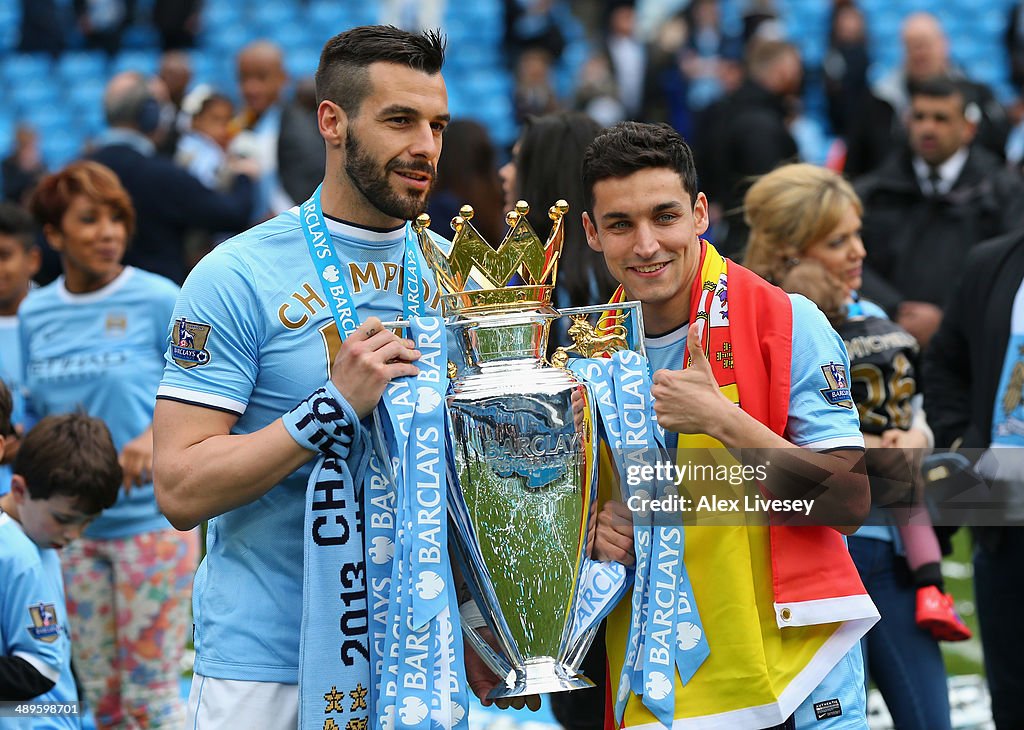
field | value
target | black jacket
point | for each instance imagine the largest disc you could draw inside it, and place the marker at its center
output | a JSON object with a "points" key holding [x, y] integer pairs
{"points": [[964, 361], [916, 243], [170, 202], [741, 136]]}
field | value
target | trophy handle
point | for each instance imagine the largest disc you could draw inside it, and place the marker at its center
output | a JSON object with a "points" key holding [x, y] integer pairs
{"points": [[620, 327], [494, 661]]}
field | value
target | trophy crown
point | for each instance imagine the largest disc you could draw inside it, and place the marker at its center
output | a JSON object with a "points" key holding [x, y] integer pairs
{"points": [[476, 276]]}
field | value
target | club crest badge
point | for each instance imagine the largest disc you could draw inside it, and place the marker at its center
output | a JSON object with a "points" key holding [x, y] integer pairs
{"points": [[188, 343], [838, 391], [44, 622], [116, 324]]}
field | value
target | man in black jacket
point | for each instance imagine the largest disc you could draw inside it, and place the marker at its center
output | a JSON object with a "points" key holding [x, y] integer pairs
{"points": [[168, 201], [747, 135], [928, 205], [878, 127], [973, 394]]}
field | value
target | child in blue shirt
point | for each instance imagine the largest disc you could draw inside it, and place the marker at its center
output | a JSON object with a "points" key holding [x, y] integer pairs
{"points": [[50, 503]]}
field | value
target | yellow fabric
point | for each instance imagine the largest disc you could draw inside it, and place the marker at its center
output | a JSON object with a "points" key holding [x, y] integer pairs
{"points": [[752, 661]]}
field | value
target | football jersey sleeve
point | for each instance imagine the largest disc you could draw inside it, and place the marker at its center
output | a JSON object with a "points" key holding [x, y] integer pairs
{"points": [[29, 608], [821, 410], [215, 332]]}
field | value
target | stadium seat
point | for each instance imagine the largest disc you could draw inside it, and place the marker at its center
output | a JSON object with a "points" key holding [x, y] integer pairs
{"points": [[268, 18], [140, 37], [218, 15], [146, 62], [292, 36], [60, 149], [29, 95], [301, 63], [26, 67], [73, 66]]}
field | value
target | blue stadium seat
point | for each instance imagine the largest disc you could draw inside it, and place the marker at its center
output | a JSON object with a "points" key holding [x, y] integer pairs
{"points": [[230, 39], [140, 36], [328, 14], [26, 68], [145, 62], [301, 63], [86, 91], [10, 21], [292, 36], [46, 120], [76, 65], [24, 98], [219, 15], [60, 149], [267, 18], [7, 124], [992, 21]]}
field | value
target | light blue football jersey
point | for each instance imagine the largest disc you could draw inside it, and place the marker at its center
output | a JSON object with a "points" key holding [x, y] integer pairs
{"points": [[840, 701], [255, 316], [34, 621], [814, 421], [11, 373], [102, 352]]}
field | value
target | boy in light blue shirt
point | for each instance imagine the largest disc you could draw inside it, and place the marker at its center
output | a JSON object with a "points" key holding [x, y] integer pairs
{"points": [[50, 503]]}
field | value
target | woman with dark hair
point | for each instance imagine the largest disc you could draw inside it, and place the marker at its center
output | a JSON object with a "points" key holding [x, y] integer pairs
{"points": [[95, 340], [546, 165]]}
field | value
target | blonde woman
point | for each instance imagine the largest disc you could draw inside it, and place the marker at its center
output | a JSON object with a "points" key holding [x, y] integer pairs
{"points": [[805, 236]]}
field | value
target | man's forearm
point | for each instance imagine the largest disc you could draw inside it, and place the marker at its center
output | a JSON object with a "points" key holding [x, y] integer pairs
{"points": [[223, 472], [835, 480]]}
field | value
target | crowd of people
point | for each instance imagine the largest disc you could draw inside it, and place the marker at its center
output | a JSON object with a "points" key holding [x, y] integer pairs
{"points": [[163, 328]]}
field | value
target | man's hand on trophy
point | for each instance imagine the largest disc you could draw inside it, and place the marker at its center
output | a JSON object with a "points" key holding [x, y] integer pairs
{"points": [[482, 680], [368, 360], [610, 537]]}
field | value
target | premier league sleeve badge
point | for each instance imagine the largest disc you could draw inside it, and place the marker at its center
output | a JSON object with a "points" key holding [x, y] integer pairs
{"points": [[188, 343]]}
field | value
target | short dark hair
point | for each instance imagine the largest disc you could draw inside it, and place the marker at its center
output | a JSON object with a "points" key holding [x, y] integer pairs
{"points": [[342, 76], [71, 454], [17, 223], [629, 147], [939, 87], [6, 408]]}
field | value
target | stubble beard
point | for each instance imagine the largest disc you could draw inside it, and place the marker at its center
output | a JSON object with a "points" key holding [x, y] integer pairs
{"points": [[372, 181]]}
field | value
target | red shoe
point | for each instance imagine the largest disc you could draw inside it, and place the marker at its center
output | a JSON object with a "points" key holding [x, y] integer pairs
{"points": [[937, 615]]}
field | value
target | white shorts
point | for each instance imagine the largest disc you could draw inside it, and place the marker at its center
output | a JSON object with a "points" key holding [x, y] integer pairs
{"points": [[229, 704]]}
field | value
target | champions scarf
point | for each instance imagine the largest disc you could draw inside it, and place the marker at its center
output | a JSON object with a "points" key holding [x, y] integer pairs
{"points": [[403, 667], [781, 605], [665, 633]]}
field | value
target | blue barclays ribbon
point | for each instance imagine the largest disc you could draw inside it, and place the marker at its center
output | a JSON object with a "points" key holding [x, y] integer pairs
{"points": [[426, 688], [390, 503], [665, 632]]}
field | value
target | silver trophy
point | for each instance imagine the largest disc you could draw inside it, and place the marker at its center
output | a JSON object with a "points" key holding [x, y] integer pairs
{"points": [[523, 473]]}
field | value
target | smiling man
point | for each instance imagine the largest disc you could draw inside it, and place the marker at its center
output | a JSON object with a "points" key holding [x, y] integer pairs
{"points": [[783, 639], [262, 316]]}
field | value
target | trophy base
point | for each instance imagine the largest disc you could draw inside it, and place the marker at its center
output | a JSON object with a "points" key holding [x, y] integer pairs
{"points": [[539, 676]]}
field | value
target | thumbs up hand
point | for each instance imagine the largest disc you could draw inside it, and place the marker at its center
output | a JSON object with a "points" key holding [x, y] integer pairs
{"points": [[689, 401]]}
